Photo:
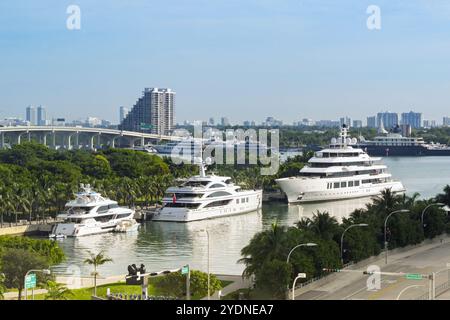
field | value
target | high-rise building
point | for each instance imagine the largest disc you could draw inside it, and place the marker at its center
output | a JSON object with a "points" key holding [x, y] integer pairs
{"points": [[357, 124], [446, 121], [224, 122], [347, 121], [211, 122], [429, 124], [390, 119], [41, 116], [371, 122], [414, 119], [153, 112], [123, 111], [31, 115]]}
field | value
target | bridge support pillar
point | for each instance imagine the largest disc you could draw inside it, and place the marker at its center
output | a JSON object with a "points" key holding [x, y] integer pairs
{"points": [[2, 140], [112, 142], [44, 139], [53, 139], [91, 142]]}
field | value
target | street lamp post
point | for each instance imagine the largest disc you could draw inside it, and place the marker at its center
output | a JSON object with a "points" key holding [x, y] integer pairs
{"points": [[308, 244], [410, 287], [293, 285], [385, 226], [438, 204], [342, 237], [44, 271]]}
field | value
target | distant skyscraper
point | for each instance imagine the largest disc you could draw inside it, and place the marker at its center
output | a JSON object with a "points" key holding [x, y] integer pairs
{"points": [[211, 122], [429, 124], [371, 122], [357, 124], [446, 121], [390, 119], [224, 122], [123, 111], [153, 112], [41, 116], [31, 115], [347, 121], [414, 119]]}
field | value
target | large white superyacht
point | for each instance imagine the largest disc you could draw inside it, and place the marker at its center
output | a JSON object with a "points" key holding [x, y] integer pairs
{"points": [[90, 213], [339, 172], [205, 197]]}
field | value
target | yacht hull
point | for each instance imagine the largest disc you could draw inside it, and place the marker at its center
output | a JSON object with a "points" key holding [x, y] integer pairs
{"points": [[299, 190], [234, 208]]}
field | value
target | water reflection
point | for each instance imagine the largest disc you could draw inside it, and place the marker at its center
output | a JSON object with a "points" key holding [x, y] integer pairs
{"points": [[167, 245]]}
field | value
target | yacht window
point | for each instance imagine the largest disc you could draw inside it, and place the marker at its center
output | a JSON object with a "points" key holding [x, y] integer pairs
{"points": [[103, 209], [218, 203], [103, 218], [182, 205], [246, 199], [343, 184], [219, 194], [356, 183], [336, 185], [350, 183], [237, 201], [123, 215], [78, 210], [112, 206], [195, 184], [217, 185], [182, 195]]}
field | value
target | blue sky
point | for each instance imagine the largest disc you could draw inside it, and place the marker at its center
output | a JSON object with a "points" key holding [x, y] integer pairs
{"points": [[245, 59]]}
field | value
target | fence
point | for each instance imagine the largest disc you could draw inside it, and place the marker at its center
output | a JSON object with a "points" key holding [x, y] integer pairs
{"points": [[120, 296]]}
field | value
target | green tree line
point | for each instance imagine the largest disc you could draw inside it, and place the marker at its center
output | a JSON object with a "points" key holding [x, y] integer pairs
{"points": [[265, 257]]}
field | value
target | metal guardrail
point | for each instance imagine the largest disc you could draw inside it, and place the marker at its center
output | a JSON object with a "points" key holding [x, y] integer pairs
{"points": [[120, 296], [312, 280], [440, 289]]}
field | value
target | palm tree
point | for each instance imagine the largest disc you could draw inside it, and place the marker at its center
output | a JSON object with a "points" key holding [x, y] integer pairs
{"points": [[324, 225], [386, 201], [97, 260], [265, 246], [57, 291], [444, 197]]}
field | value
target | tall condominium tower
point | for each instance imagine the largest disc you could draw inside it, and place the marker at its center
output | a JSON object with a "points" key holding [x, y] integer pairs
{"points": [[123, 111], [31, 115], [41, 116], [153, 112], [414, 119], [389, 119]]}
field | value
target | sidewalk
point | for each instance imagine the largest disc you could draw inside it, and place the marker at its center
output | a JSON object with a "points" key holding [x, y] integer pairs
{"points": [[237, 283]]}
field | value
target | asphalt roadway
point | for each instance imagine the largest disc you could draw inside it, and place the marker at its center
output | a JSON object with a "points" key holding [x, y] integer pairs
{"points": [[352, 285]]}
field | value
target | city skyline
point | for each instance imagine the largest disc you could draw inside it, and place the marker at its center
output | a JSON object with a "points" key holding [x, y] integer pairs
{"points": [[301, 58]]}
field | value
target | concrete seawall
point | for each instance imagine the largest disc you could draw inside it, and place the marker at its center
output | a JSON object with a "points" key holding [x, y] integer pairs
{"points": [[28, 229]]}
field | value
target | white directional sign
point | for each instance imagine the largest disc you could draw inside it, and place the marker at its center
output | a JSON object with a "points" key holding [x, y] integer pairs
{"points": [[302, 275]]}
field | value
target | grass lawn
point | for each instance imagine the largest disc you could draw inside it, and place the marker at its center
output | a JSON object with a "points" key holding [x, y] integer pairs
{"points": [[118, 287]]}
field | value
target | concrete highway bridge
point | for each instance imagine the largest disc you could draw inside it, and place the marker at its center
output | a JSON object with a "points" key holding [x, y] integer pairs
{"points": [[77, 137]]}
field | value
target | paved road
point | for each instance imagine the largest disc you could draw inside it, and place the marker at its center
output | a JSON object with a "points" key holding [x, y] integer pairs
{"points": [[424, 260]]}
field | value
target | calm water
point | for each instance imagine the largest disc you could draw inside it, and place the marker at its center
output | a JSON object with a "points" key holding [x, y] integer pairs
{"points": [[165, 245]]}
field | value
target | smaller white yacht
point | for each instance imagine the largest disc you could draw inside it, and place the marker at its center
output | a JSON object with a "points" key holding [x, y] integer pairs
{"points": [[90, 213], [205, 197]]}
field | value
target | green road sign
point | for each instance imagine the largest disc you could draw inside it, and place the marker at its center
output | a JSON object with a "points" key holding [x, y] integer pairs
{"points": [[414, 276], [30, 281], [146, 125], [185, 269]]}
